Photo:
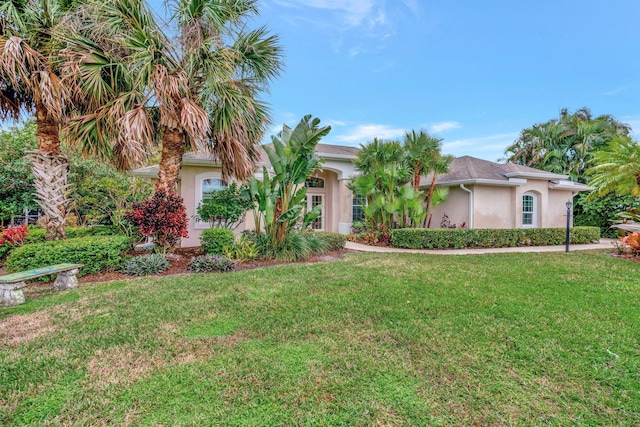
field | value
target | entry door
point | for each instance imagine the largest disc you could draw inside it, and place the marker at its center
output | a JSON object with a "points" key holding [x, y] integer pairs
{"points": [[314, 200]]}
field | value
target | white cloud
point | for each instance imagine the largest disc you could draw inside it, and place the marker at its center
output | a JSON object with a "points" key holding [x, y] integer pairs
{"points": [[354, 12], [365, 133], [444, 126], [489, 141], [617, 90]]}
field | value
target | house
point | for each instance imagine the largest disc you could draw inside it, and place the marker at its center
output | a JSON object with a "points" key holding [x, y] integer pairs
{"points": [[482, 194], [199, 175]]}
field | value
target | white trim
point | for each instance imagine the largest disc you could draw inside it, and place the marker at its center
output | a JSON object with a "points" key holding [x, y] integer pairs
{"points": [[568, 185], [462, 187], [322, 212], [534, 212], [512, 182]]}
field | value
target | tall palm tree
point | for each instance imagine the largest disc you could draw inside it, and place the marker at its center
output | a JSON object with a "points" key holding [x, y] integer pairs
{"points": [[196, 92], [421, 151], [30, 83]]}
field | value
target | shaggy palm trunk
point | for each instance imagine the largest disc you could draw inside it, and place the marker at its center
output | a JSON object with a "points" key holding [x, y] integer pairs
{"points": [[51, 171], [171, 160], [432, 187]]}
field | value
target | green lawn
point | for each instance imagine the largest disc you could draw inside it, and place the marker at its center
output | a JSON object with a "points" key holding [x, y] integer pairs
{"points": [[374, 339]]}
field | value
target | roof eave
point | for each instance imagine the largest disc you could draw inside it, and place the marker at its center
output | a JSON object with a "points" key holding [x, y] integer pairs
{"points": [[535, 175], [512, 182]]}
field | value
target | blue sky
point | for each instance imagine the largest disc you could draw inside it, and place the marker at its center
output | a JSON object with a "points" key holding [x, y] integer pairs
{"points": [[474, 73]]}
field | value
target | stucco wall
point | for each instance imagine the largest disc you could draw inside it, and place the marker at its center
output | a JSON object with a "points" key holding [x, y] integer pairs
{"points": [[494, 207], [337, 201], [456, 207]]}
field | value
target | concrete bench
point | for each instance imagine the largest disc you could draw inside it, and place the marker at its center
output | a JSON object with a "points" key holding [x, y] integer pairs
{"points": [[11, 284]]}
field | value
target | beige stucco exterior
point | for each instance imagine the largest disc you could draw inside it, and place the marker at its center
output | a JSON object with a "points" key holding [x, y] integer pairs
{"points": [[336, 216], [481, 194], [499, 206]]}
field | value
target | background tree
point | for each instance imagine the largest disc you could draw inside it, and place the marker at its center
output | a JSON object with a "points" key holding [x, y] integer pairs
{"points": [[565, 145], [29, 82], [570, 145], [16, 180]]}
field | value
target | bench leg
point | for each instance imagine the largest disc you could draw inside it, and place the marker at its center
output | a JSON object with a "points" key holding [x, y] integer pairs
{"points": [[66, 280], [11, 295]]}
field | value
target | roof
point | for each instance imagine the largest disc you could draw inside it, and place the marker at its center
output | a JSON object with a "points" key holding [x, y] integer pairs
{"points": [[203, 158], [471, 170]]}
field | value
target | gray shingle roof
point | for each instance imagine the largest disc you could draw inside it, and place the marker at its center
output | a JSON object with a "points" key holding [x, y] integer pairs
{"points": [[467, 168]]}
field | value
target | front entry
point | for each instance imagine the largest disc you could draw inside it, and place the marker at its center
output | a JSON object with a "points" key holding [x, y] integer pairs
{"points": [[314, 200]]}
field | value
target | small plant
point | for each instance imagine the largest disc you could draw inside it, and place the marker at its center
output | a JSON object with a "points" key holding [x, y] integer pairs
{"points": [[335, 240], [145, 264], [632, 242], [14, 236], [242, 250], [162, 217], [216, 240], [205, 263]]}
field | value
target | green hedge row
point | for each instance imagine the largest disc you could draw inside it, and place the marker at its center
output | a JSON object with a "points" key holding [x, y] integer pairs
{"points": [[37, 235], [461, 238], [97, 253]]}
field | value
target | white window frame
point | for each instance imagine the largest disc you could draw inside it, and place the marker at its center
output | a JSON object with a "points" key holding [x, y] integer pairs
{"points": [[322, 212], [534, 210], [202, 225]]}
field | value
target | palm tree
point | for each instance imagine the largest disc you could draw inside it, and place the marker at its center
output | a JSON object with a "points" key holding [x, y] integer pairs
{"points": [[617, 169], [421, 150], [30, 83], [423, 154], [194, 93]]}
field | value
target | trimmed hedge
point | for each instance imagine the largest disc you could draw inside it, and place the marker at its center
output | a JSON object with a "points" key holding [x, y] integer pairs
{"points": [[214, 241], [97, 253], [461, 238], [335, 240], [36, 235]]}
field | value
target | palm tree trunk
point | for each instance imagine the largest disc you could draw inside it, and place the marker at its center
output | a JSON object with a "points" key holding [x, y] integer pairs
{"points": [[171, 160], [51, 171], [432, 187]]}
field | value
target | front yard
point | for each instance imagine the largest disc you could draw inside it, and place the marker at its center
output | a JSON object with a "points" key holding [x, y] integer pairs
{"points": [[373, 339]]}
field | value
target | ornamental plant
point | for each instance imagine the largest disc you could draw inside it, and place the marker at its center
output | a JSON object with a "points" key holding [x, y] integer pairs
{"points": [[632, 241], [14, 236], [163, 217]]}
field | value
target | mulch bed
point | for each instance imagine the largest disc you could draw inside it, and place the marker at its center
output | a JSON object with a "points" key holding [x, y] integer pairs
{"points": [[179, 261]]}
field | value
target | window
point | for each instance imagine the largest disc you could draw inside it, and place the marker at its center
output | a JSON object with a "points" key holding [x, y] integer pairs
{"points": [[314, 200], [357, 207], [206, 183], [209, 185], [529, 210], [314, 182]]}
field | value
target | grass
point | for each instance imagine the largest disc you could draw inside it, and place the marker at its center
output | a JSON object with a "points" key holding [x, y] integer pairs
{"points": [[375, 339]]}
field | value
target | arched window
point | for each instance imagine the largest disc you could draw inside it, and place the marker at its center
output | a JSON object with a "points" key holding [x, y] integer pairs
{"points": [[314, 182], [529, 210]]}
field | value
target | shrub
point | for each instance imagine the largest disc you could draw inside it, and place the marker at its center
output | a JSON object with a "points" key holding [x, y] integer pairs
{"points": [[145, 264], [14, 236], [460, 238], [242, 250], [335, 240], [216, 240], [97, 253], [206, 263], [162, 217], [225, 208], [295, 247]]}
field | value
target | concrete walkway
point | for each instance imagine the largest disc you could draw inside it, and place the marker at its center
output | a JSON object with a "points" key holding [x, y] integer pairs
{"points": [[603, 244]]}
